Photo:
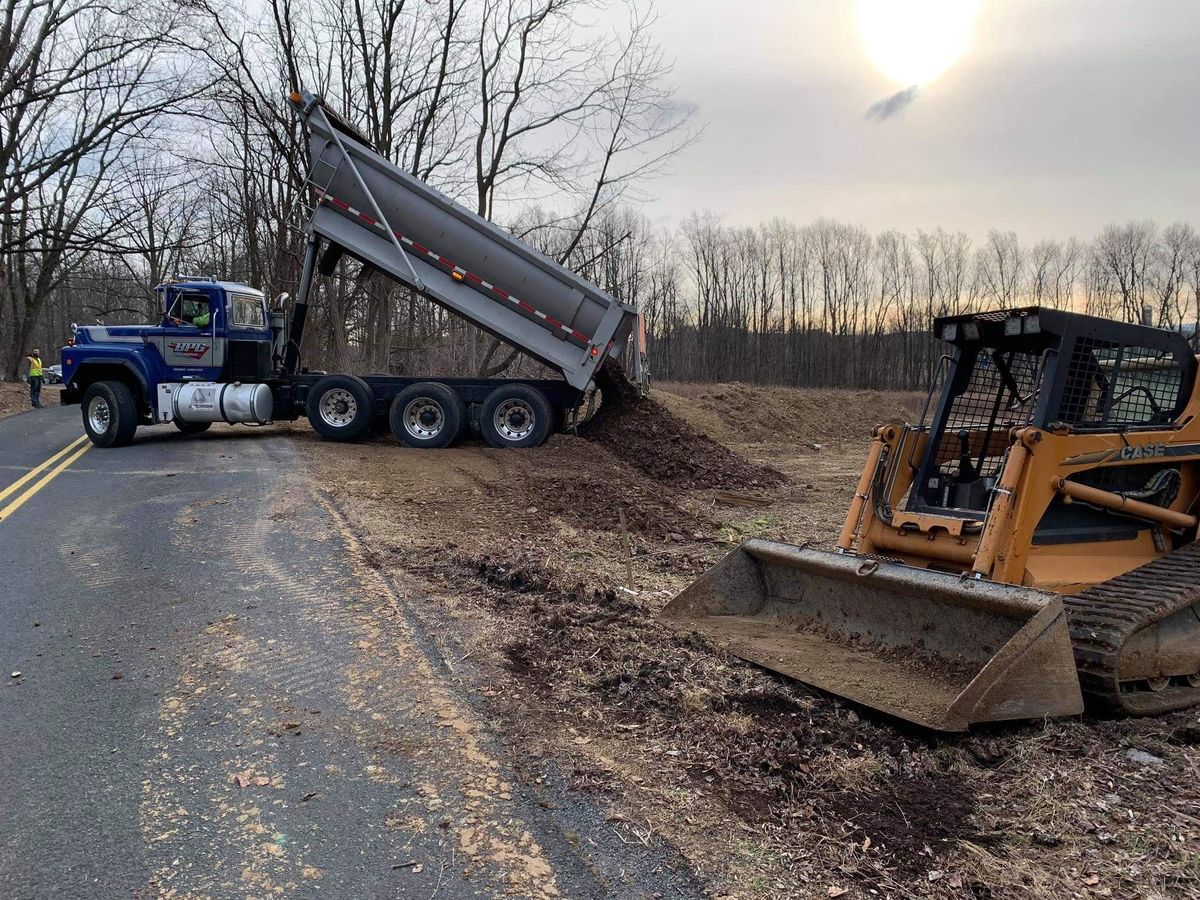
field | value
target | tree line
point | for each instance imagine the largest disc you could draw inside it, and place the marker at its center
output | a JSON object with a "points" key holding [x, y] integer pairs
{"points": [[140, 141], [832, 304]]}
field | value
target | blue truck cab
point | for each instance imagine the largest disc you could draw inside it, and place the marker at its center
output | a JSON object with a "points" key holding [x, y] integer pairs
{"points": [[208, 360]]}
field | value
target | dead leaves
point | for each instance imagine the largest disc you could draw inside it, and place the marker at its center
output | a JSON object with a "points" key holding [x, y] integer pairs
{"points": [[246, 778]]}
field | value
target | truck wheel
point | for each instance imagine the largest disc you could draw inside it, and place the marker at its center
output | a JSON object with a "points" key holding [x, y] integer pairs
{"points": [[340, 407], [515, 415], [110, 415], [428, 414], [190, 428]]}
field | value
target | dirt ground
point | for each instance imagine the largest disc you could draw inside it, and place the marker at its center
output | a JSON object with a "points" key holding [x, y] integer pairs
{"points": [[14, 398], [767, 788]]}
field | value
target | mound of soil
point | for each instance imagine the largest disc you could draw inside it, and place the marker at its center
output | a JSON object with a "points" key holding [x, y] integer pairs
{"points": [[14, 398], [586, 488], [665, 448], [743, 413]]}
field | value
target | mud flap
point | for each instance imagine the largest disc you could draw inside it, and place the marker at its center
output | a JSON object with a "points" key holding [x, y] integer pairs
{"points": [[933, 648]]}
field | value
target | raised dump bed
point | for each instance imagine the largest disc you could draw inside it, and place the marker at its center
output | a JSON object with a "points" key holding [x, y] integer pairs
{"points": [[370, 208]]}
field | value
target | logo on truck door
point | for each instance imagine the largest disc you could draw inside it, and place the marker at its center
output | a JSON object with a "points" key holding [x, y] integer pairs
{"points": [[191, 349]]}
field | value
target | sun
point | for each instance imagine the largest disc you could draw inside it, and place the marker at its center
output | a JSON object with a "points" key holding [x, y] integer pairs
{"points": [[914, 41]]}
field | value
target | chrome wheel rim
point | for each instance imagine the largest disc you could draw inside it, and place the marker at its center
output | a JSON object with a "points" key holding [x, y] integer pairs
{"points": [[1193, 680], [424, 418], [1160, 683], [338, 407], [99, 415], [514, 420]]}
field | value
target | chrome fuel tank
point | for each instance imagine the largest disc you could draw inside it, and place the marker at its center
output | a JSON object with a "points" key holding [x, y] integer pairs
{"points": [[208, 401]]}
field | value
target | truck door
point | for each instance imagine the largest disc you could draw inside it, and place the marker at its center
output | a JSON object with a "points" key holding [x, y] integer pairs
{"points": [[249, 348], [192, 344]]}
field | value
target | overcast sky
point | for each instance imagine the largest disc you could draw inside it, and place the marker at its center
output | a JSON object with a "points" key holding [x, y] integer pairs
{"points": [[1063, 115]]}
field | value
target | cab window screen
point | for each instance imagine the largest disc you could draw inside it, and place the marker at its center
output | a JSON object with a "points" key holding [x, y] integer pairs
{"points": [[1109, 384], [247, 311]]}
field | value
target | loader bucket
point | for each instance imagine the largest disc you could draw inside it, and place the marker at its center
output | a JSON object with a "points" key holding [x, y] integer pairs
{"points": [[935, 649]]}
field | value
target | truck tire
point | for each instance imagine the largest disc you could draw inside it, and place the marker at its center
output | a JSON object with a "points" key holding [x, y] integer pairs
{"points": [[516, 415], [190, 428], [110, 414], [340, 407], [428, 415]]}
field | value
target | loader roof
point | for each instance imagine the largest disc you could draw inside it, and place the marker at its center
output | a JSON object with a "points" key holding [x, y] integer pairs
{"points": [[1041, 325]]}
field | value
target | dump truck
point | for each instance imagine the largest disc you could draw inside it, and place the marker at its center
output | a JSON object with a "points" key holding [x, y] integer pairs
{"points": [[1026, 548], [222, 354]]}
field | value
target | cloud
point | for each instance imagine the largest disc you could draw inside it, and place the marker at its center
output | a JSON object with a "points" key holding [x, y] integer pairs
{"points": [[893, 105]]}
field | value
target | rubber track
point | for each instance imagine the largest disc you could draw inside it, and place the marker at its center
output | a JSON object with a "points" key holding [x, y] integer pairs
{"points": [[1103, 617]]}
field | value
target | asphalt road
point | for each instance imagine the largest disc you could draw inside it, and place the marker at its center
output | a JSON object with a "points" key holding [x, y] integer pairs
{"points": [[218, 697]]}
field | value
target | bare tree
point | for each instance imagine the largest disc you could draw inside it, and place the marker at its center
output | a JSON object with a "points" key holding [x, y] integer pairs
{"points": [[1125, 253], [1173, 257], [1000, 264], [82, 82]]}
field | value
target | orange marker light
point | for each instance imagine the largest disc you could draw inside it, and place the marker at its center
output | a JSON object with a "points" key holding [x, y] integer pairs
{"points": [[456, 275], [295, 97]]}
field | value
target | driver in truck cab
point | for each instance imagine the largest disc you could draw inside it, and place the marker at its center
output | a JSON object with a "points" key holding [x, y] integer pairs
{"points": [[191, 311]]}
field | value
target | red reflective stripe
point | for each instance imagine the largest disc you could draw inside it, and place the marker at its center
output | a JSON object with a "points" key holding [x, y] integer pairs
{"points": [[447, 263], [340, 204], [579, 336], [367, 219], [525, 306], [503, 293], [553, 321], [419, 248], [471, 276]]}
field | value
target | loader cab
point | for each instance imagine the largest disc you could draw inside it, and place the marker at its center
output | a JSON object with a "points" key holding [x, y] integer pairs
{"points": [[214, 330], [1035, 366]]}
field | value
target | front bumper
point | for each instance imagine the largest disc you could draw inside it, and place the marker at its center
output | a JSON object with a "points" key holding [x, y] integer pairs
{"points": [[69, 395]]}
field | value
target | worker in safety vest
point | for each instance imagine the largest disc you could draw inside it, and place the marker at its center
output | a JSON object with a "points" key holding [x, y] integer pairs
{"points": [[200, 319], [34, 361]]}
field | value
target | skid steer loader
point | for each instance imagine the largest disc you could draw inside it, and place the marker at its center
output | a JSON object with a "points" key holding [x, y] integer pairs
{"points": [[1029, 545]]}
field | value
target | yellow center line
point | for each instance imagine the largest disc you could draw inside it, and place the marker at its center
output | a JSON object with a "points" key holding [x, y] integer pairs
{"points": [[33, 473], [16, 504]]}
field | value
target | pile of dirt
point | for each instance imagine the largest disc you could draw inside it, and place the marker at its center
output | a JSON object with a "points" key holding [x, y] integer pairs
{"points": [[742, 413], [664, 447], [596, 501], [14, 398]]}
